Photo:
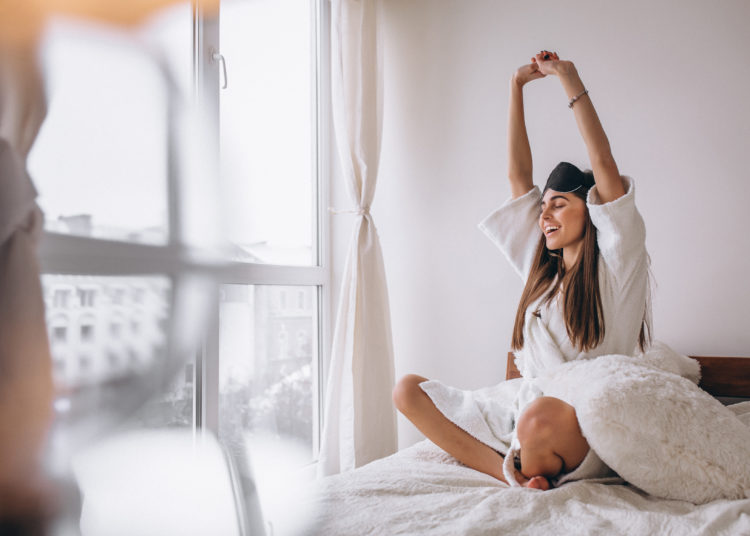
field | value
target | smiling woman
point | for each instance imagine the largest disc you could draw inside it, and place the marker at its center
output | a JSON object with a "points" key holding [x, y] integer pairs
{"points": [[564, 216], [584, 260], [570, 235], [563, 220]]}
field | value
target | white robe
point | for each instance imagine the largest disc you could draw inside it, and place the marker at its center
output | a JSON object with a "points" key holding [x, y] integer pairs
{"points": [[490, 415]]}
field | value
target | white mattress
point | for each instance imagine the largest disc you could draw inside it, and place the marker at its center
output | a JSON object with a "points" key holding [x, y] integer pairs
{"points": [[422, 490]]}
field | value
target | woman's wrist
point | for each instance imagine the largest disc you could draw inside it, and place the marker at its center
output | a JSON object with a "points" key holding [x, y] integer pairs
{"points": [[566, 69], [571, 82]]}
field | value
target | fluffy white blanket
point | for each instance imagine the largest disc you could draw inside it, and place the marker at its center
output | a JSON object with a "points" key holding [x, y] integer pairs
{"points": [[422, 490], [644, 416], [659, 429], [656, 428]]}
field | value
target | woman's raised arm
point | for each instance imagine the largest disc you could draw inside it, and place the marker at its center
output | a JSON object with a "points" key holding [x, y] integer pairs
{"points": [[608, 180], [519, 151]]}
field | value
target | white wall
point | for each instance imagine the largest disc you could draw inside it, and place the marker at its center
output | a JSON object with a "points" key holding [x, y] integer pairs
{"points": [[670, 81]]}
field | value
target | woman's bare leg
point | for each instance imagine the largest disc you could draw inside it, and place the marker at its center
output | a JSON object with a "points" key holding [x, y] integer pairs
{"points": [[419, 409], [550, 437]]}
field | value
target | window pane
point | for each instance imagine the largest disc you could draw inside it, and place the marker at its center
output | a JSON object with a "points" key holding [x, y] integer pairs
{"points": [[100, 161], [267, 130], [268, 366], [106, 330]]}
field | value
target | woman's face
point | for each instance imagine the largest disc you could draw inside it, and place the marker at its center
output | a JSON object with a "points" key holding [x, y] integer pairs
{"points": [[563, 219]]}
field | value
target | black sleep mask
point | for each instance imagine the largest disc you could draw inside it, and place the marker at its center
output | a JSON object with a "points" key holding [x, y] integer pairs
{"points": [[566, 178]]}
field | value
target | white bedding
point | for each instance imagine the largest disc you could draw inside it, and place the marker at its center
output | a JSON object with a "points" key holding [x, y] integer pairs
{"points": [[422, 490]]}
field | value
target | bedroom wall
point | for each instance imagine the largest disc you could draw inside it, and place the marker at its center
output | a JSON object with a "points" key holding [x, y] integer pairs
{"points": [[669, 80]]}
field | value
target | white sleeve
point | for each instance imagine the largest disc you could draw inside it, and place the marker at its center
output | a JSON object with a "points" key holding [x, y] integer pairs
{"points": [[621, 232], [514, 228]]}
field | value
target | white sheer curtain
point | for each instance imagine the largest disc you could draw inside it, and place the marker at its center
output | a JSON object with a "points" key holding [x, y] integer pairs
{"points": [[360, 420]]}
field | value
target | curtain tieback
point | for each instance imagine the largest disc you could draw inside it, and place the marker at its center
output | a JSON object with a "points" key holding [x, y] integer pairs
{"points": [[362, 211]]}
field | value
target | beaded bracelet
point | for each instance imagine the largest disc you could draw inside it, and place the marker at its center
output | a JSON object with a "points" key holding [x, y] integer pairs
{"points": [[574, 99]]}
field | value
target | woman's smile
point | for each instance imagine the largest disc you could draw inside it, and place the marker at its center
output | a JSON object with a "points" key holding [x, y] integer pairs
{"points": [[562, 219]]}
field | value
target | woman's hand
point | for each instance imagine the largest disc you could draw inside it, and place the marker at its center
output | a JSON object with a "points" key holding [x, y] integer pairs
{"points": [[527, 73], [550, 63]]}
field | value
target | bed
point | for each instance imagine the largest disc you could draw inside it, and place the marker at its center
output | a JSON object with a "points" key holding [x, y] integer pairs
{"points": [[422, 490]]}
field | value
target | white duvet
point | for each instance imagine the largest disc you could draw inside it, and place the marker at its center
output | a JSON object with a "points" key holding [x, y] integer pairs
{"points": [[659, 431], [644, 416], [422, 490]]}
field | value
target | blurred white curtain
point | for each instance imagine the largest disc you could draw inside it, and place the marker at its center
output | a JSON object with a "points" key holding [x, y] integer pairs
{"points": [[359, 418], [25, 365]]}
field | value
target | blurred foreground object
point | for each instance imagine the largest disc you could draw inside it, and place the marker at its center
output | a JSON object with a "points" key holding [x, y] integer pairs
{"points": [[25, 378], [26, 382], [21, 21], [174, 485], [26, 389]]}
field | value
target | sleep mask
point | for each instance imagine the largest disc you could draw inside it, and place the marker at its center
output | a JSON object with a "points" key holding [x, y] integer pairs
{"points": [[566, 178]]}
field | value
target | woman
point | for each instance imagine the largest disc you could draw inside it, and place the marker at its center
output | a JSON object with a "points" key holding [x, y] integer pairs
{"points": [[580, 248]]}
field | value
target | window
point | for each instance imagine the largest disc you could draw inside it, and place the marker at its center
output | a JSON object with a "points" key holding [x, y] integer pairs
{"points": [[60, 334], [304, 346], [84, 364], [115, 330], [117, 295], [282, 299], [59, 366], [87, 296], [125, 215], [268, 130], [61, 297], [273, 140], [87, 332]]}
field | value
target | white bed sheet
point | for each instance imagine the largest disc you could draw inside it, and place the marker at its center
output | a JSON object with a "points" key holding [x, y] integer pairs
{"points": [[422, 490]]}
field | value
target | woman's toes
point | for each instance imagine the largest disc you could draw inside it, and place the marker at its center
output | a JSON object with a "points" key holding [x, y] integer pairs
{"points": [[538, 482]]}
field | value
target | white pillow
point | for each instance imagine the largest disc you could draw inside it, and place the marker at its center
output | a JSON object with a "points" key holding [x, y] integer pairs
{"points": [[659, 431]]}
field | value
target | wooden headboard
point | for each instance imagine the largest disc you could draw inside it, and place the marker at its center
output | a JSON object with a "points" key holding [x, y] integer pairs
{"points": [[720, 376]]}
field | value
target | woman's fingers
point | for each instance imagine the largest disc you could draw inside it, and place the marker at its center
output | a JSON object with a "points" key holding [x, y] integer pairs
{"points": [[546, 62], [529, 72], [546, 55], [535, 73]]}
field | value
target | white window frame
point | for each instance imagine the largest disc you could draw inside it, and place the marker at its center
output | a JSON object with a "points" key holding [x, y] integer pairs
{"points": [[68, 254], [208, 84]]}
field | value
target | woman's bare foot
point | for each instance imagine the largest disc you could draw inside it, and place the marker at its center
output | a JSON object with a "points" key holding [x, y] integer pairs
{"points": [[537, 482]]}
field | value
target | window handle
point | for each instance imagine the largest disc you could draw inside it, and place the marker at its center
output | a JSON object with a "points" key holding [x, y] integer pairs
{"points": [[215, 56]]}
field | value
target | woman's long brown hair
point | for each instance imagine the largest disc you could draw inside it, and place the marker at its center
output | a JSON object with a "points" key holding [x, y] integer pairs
{"points": [[582, 301]]}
